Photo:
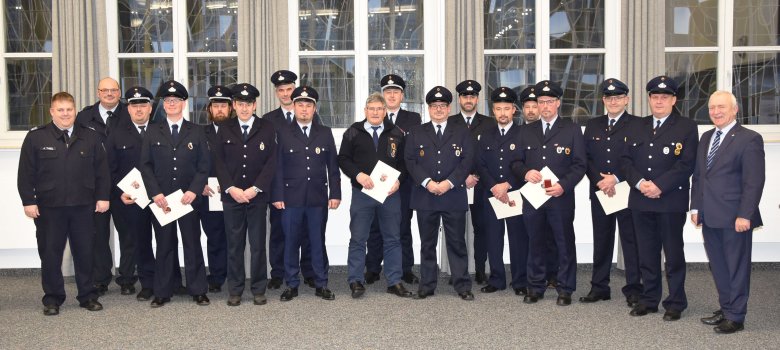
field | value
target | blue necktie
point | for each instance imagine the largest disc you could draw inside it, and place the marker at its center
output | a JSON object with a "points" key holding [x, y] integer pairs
{"points": [[245, 133], [713, 149], [438, 132], [390, 116], [611, 124], [304, 132], [376, 137], [503, 132], [657, 126], [289, 117], [175, 133]]}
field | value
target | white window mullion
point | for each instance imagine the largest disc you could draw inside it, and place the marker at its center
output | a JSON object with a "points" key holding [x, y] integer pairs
{"points": [[3, 82], [361, 57], [543, 40], [292, 35], [180, 27], [435, 69], [112, 34], [612, 40]]}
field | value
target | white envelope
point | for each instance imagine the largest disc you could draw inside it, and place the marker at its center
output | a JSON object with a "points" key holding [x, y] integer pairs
{"points": [[215, 201], [470, 195], [175, 209], [617, 202], [535, 193], [133, 184], [513, 208], [384, 177]]}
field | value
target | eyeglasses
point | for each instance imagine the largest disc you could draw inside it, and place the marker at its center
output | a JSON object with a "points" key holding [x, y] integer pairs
{"points": [[375, 109], [109, 91], [438, 106], [617, 98], [170, 100], [243, 104], [546, 102]]}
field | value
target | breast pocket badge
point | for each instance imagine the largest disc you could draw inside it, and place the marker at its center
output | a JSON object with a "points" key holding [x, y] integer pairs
{"points": [[393, 149], [317, 150], [512, 147], [189, 146], [677, 149], [262, 146]]}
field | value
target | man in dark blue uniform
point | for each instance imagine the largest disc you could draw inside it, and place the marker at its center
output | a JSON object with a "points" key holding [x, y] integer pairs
{"points": [[63, 180], [478, 124], [282, 117], [307, 183], [363, 146], [727, 187], [556, 143], [657, 163], [439, 157], [393, 87], [605, 138], [218, 110], [245, 153], [103, 116], [497, 149], [175, 156]]}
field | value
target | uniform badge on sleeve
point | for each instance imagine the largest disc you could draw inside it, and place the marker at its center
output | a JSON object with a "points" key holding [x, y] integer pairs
{"points": [[262, 146], [189, 146]]}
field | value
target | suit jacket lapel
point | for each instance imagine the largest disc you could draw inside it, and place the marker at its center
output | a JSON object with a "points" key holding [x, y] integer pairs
{"points": [[725, 141]]}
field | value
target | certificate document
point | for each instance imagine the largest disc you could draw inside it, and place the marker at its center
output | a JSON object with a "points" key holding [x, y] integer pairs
{"points": [[384, 177], [535, 193], [174, 210], [505, 210], [617, 202], [133, 184], [215, 201]]}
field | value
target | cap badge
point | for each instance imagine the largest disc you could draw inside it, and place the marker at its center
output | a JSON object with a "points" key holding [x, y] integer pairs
{"points": [[438, 94], [218, 94], [662, 86], [390, 81], [244, 92], [281, 77], [469, 88], [611, 87], [545, 88], [304, 94], [171, 89], [136, 95], [502, 95], [531, 95]]}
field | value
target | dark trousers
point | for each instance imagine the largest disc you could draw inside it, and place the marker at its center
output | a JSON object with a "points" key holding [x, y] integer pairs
{"points": [[654, 232], [551, 258], [374, 247], [128, 219], [297, 222], [102, 261], [479, 218], [167, 258], [730, 253], [277, 242], [53, 228], [518, 249], [455, 237], [213, 223], [561, 226], [603, 248], [246, 222], [363, 211]]}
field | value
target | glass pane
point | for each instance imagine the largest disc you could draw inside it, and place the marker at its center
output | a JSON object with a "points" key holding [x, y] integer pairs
{"points": [[326, 25], [691, 23], [395, 25], [334, 80], [410, 68], [203, 74], [513, 71], [146, 72], [576, 24], [757, 87], [579, 76], [755, 23], [28, 26], [510, 24], [212, 25], [696, 73], [145, 26], [29, 92]]}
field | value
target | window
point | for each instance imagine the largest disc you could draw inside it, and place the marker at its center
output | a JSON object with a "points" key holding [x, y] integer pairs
{"points": [[343, 48], [708, 49], [192, 41], [25, 63]]}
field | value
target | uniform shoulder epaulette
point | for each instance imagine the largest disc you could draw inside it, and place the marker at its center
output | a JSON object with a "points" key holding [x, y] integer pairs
{"points": [[39, 127], [350, 133]]}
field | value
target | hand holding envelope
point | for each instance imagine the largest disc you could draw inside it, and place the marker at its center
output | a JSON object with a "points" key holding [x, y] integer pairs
{"points": [[172, 208], [618, 201], [133, 185], [537, 193], [215, 199], [384, 178], [512, 207]]}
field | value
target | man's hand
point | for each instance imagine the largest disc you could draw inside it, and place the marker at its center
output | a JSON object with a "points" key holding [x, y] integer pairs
{"points": [[395, 187], [471, 181], [188, 197], [554, 190], [250, 193], [364, 180], [649, 189], [101, 206], [607, 184], [31, 211], [333, 204], [443, 187], [500, 190], [741, 225], [160, 201], [127, 199], [695, 220], [278, 205], [207, 191], [533, 176], [433, 187], [238, 195]]}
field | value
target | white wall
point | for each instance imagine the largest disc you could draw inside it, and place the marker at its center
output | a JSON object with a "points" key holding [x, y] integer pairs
{"points": [[18, 245]]}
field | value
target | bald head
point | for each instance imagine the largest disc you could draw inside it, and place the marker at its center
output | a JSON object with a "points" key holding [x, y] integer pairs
{"points": [[108, 92]]}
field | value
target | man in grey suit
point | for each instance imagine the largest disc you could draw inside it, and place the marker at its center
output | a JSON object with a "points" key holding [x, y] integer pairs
{"points": [[727, 186]]}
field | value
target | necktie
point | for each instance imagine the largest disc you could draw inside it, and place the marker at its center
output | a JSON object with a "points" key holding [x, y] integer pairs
{"points": [[438, 132], [468, 121], [714, 148], [109, 120], [376, 137], [611, 124], [142, 130], [657, 125], [390, 116], [503, 131], [66, 137], [289, 117], [547, 129], [305, 133], [175, 132], [245, 133]]}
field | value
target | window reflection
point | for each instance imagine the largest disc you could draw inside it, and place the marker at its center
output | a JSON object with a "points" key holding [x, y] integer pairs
{"points": [[696, 75], [756, 86], [509, 24], [212, 25], [145, 26], [203, 74], [29, 92], [691, 23], [580, 77], [149, 73], [410, 68], [576, 24], [755, 23], [27, 25], [334, 80], [395, 25], [326, 25]]}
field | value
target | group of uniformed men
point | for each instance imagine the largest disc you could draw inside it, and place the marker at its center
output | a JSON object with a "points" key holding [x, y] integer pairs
{"points": [[287, 162]]}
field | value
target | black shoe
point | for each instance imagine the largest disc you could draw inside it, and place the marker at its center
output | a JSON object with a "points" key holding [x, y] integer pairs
{"points": [[51, 310], [201, 300], [714, 320], [145, 294], [552, 283], [371, 277], [324, 293], [101, 289], [593, 297], [564, 299], [92, 305], [234, 300], [728, 327], [399, 291], [180, 291], [309, 281], [159, 302], [641, 310], [289, 294], [632, 300], [410, 278], [421, 294], [215, 288], [672, 315], [466, 295], [260, 299], [488, 289], [480, 278], [275, 283], [357, 289], [521, 291], [532, 298], [127, 289]]}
